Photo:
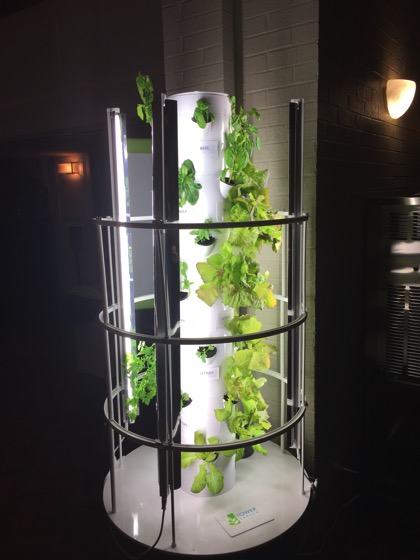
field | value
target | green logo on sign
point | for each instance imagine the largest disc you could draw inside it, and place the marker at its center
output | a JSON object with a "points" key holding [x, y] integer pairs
{"points": [[232, 519]]}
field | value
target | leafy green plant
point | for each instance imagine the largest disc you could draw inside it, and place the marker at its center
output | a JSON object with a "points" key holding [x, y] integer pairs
{"points": [[245, 409], [208, 474], [185, 283], [204, 351], [233, 276], [204, 236], [141, 373], [145, 89], [248, 196], [202, 115], [187, 185], [248, 203], [185, 399], [240, 142]]}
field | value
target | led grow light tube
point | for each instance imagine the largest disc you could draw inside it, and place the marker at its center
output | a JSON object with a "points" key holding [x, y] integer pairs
{"points": [[123, 246]]}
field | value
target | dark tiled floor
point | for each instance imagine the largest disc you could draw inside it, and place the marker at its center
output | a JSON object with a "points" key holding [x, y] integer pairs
{"points": [[54, 460]]}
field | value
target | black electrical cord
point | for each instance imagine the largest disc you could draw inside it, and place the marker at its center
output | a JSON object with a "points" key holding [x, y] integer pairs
{"points": [[150, 548]]}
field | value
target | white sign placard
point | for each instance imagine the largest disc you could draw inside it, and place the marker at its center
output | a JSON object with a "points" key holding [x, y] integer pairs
{"points": [[210, 373], [208, 148], [241, 520]]}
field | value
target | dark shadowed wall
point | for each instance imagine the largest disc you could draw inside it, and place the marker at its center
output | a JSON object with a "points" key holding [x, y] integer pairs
{"points": [[362, 154]]}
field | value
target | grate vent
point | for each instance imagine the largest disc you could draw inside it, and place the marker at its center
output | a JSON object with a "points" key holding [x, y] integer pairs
{"points": [[416, 226], [395, 330], [403, 331], [398, 226], [413, 335]]}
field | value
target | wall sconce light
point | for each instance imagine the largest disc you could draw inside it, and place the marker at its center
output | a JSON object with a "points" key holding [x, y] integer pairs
{"points": [[72, 168], [399, 96]]}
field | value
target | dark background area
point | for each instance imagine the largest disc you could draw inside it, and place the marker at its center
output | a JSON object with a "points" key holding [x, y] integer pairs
{"points": [[363, 156]]}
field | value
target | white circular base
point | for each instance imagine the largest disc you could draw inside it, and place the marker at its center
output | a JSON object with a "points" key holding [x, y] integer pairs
{"points": [[272, 483]]}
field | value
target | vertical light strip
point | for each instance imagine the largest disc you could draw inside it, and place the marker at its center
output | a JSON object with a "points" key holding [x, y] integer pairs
{"points": [[121, 213]]}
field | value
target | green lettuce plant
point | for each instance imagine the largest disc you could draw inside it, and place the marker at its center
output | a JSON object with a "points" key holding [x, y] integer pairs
{"points": [[204, 236], [250, 203], [245, 409], [248, 196], [204, 351], [185, 399], [233, 276], [208, 474]]}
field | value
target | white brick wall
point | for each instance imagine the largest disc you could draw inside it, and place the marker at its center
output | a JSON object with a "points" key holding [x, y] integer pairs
{"points": [[198, 44]]}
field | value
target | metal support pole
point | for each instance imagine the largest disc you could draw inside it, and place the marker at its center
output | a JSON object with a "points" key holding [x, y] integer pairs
{"points": [[108, 368], [166, 267], [295, 292]]}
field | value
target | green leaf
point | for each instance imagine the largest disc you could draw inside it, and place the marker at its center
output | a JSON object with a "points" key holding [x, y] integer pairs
{"points": [[206, 271], [228, 453], [260, 382], [208, 294], [255, 430], [259, 361], [232, 296], [187, 186], [199, 438], [270, 300], [217, 259], [243, 358], [239, 454], [200, 120], [222, 414], [187, 458], [200, 481], [214, 479], [210, 457], [260, 449], [145, 89], [244, 324], [249, 406]]}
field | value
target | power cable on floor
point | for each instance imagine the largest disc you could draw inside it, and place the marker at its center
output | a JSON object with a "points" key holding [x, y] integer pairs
{"points": [[149, 549]]}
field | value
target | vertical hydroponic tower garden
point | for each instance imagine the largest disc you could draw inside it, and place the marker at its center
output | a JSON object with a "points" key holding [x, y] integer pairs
{"points": [[220, 329]]}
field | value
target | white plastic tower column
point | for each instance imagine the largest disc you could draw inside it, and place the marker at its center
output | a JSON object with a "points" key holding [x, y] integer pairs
{"points": [[204, 382]]}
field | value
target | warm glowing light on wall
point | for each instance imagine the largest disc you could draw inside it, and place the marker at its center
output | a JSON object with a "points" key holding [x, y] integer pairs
{"points": [[70, 168], [399, 96]]}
